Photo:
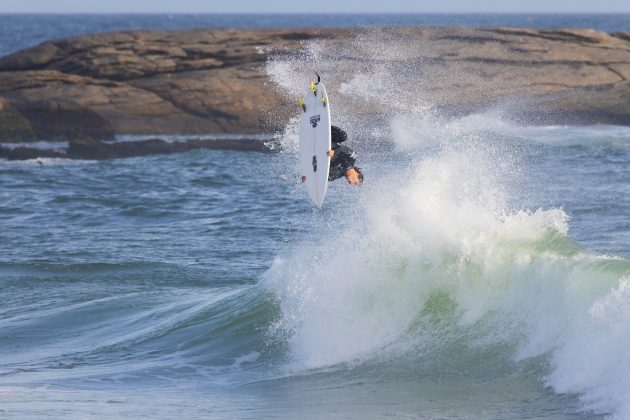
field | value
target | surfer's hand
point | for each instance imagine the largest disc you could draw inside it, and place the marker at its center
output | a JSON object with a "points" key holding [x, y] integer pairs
{"points": [[331, 153]]}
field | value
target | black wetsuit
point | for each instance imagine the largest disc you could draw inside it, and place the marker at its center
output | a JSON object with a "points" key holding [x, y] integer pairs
{"points": [[344, 157], [342, 160]]}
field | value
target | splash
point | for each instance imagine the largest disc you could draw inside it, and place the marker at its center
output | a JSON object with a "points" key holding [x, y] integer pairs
{"points": [[436, 238]]}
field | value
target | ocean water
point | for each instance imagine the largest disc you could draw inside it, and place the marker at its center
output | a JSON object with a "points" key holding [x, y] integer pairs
{"points": [[482, 271], [19, 31]]}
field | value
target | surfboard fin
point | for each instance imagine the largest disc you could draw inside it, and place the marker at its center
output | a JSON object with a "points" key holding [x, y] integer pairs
{"points": [[324, 101], [302, 104], [314, 88]]}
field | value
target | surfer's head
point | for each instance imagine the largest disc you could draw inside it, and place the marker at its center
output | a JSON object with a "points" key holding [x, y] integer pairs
{"points": [[337, 135], [354, 176]]}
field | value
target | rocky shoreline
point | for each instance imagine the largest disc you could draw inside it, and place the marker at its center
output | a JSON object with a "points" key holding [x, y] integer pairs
{"points": [[90, 149], [91, 88]]}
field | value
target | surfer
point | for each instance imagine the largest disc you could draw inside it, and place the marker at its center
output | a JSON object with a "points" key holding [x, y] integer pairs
{"points": [[342, 159]]}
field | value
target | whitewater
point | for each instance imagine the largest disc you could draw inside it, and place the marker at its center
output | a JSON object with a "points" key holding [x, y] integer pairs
{"points": [[440, 258], [481, 271]]}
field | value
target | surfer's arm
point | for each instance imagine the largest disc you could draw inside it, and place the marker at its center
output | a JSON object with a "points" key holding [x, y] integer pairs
{"points": [[344, 158]]}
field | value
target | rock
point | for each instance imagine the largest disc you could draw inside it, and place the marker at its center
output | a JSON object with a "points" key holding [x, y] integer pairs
{"points": [[90, 149], [95, 150], [623, 35], [32, 58], [13, 126], [215, 81], [26, 153], [577, 35], [61, 120]]}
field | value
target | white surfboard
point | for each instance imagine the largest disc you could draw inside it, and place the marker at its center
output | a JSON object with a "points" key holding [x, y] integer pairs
{"points": [[315, 142]]}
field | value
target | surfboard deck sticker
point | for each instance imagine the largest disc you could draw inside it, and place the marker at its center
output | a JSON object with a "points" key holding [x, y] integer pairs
{"points": [[315, 142]]}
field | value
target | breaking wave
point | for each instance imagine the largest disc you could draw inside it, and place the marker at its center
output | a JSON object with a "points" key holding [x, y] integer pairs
{"points": [[435, 254]]}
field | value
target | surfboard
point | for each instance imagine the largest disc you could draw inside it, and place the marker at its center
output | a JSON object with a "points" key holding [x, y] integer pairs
{"points": [[315, 141]]}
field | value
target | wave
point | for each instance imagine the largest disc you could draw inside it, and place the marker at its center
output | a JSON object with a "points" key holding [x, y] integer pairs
{"points": [[441, 246], [113, 337], [433, 254]]}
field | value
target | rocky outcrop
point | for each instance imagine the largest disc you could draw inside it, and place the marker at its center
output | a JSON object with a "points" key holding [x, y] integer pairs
{"points": [[90, 149], [14, 127], [214, 81], [26, 153], [62, 120], [149, 82], [96, 150]]}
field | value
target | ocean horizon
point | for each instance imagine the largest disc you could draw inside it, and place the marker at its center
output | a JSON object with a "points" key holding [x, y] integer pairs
{"points": [[19, 31]]}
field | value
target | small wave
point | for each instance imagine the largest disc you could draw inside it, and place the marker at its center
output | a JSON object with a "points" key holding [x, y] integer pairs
{"points": [[46, 162], [42, 145], [213, 330], [183, 138]]}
